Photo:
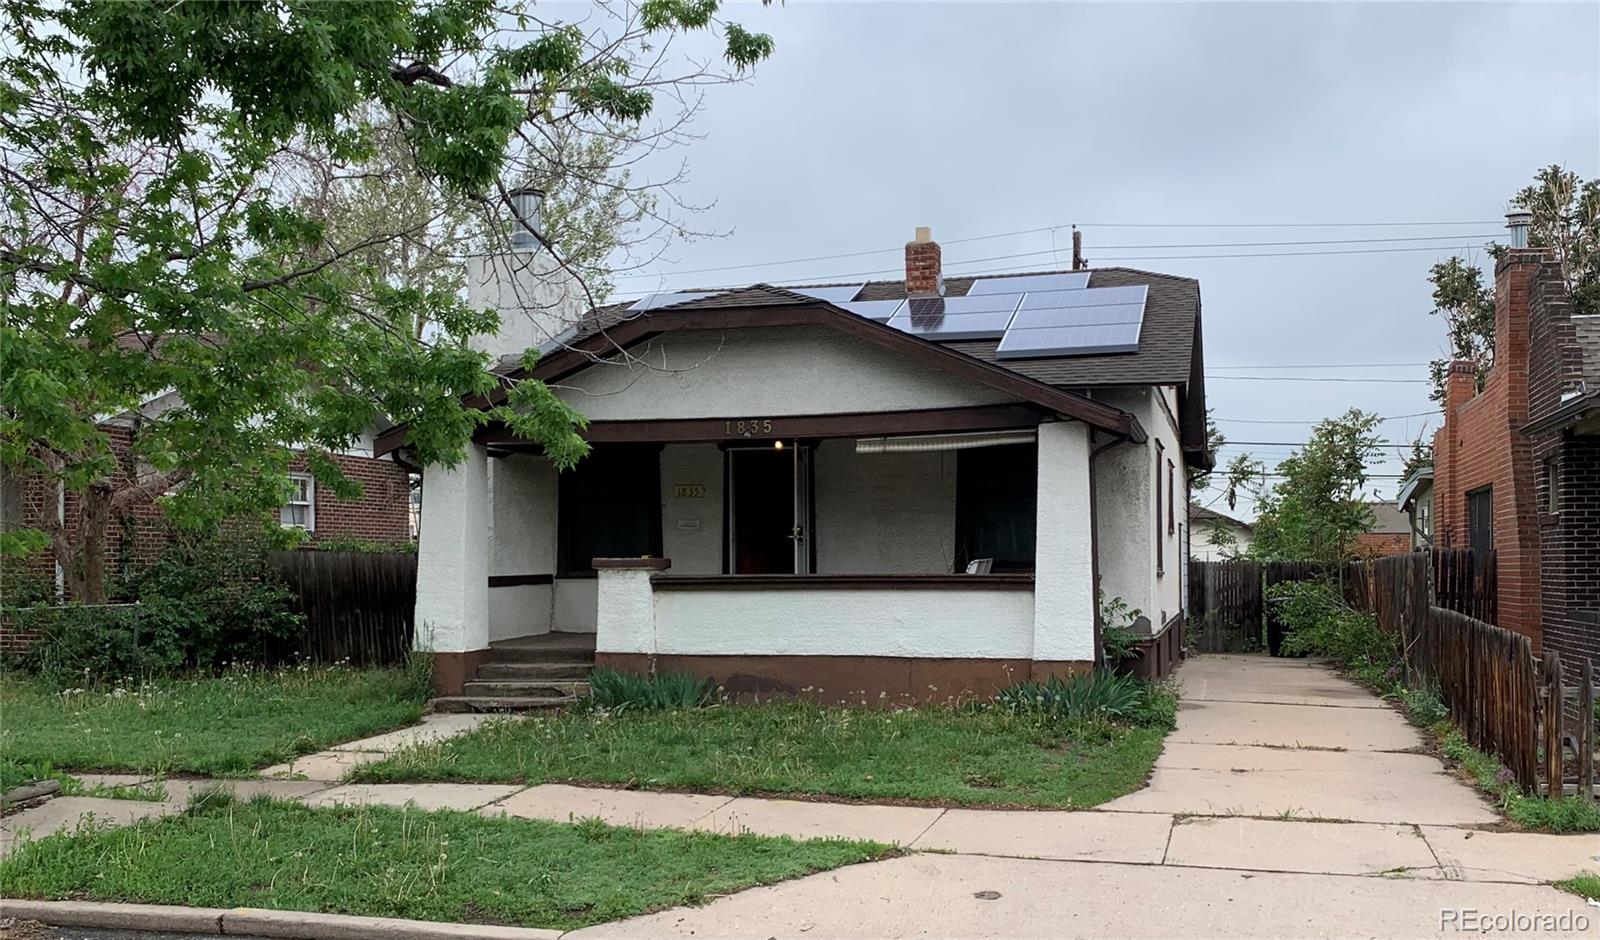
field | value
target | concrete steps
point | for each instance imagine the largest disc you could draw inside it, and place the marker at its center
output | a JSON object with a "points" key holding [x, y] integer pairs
{"points": [[533, 673], [530, 672]]}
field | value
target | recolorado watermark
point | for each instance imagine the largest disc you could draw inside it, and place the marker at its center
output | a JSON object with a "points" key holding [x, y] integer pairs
{"points": [[1473, 920]]}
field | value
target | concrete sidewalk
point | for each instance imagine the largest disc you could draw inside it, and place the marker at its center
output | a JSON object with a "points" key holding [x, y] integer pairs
{"points": [[1288, 801]]}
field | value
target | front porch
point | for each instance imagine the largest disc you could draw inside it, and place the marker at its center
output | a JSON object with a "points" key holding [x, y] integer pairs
{"points": [[831, 564]]}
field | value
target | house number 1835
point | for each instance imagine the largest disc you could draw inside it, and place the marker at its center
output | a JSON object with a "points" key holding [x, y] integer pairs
{"points": [[748, 426]]}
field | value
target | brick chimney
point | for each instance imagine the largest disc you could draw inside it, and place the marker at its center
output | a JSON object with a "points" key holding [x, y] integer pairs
{"points": [[924, 272], [1460, 384], [1513, 284]]}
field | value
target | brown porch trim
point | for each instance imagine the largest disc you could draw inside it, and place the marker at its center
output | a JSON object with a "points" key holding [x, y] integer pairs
{"points": [[586, 351], [788, 427], [808, 582], [516, 580]]}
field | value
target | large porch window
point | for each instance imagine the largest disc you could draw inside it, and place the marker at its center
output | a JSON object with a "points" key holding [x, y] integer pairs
{"points": [[609, 506], [996, 506]]}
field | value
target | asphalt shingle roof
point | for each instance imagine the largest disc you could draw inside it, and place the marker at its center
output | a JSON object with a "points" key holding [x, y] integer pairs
{"points": [[1166, 340]]}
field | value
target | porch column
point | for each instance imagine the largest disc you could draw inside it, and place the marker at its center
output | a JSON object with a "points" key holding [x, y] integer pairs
{"points": [[1063, 592], [625, 614], [453, 569]]}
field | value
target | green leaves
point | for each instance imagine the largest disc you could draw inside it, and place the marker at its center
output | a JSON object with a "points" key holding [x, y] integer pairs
{"points": [[1316, 510]]}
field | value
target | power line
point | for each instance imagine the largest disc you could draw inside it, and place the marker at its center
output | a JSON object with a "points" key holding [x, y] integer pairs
{"points": [[1329, 365], [1419, 414], [1050, 251], [1315, 378]]}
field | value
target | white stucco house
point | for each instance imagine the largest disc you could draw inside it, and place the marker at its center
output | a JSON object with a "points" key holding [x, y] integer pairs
{"points": [[1215, 536], [789, 486]]}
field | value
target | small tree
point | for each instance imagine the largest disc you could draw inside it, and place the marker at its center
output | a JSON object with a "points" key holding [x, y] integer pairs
{"points": [[1316, 510]]}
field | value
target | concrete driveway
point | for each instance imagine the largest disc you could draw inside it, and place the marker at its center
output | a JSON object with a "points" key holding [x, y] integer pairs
{"points": [[1289, 802]]}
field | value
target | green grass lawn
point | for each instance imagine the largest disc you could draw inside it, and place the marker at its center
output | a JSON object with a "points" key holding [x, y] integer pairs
{"points": [[387, 862], [225, 724], [1585, 885], [957, 756]]}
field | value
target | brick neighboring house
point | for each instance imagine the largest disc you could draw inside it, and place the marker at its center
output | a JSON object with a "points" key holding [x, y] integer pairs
{"points": [[1564, 429], [1517, 465], [1390, 534], [137, 537]]}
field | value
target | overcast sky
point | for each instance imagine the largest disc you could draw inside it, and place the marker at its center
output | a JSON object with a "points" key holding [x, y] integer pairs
{"points": [[984, 118]]}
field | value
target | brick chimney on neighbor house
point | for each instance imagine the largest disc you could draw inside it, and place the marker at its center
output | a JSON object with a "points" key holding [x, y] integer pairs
{"points": [[924, 271]]}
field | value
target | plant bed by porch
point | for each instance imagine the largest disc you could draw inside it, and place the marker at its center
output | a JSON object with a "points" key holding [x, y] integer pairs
{"points": [[386, 862], [224, 724], [948, 756]]}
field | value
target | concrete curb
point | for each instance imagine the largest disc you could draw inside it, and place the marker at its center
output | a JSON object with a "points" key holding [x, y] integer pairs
{"points": [[288, 925]]}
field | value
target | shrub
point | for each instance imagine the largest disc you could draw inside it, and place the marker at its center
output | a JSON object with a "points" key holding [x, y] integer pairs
{"points": [[350, 543], [1118, 639], [1317, 620], [627, 691], [207, 600], [1100, 696]]}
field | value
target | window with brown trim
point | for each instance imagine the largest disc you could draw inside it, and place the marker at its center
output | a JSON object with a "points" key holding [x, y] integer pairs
{"points": [[1160, 456], [1172, 500], [609, 506]]}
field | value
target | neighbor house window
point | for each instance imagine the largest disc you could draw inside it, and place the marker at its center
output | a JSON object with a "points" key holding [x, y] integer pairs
{"points": [[1552, 486], [997, 504], [609, 506], [300, 512]]}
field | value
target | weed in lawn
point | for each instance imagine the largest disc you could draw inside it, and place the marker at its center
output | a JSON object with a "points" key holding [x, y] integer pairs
{"points": [[1585, 885], [222, 724], [382, 861]]}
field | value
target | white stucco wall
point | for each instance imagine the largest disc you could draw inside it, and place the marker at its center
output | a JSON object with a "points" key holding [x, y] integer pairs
{"points": [[1063, 614], [452, 612], [883, 513], [980, 624], [536, 300], [522, 541], [761, 373], [691, 526], [1125, 503], [573, 606]]}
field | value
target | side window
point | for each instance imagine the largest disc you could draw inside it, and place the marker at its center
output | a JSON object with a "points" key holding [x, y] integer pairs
{"points": [[1172, 499], [1160, 542], [300, 512]]}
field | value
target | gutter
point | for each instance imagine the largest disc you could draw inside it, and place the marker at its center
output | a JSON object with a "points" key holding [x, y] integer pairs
{"points": [[1571, 412]]}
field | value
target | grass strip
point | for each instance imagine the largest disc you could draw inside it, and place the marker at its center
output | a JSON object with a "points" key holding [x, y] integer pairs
{"points": [[951, 756], [388, 862], [224, 724]]}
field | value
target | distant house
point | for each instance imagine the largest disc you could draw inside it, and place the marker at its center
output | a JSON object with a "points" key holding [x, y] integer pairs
{"points": [[915, 488], [1517, 463], [1416, 501], [1214, 536], [1389, 535]]}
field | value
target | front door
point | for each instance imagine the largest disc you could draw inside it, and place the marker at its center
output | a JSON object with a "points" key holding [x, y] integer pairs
{"points": [[769, 510]]}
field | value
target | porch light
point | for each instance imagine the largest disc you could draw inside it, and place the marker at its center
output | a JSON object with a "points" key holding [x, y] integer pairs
{"points": [[777, 445]]}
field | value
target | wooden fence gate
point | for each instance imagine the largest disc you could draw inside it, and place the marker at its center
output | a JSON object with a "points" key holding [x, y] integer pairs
{"points": [[359, 606], [1227, 602]]}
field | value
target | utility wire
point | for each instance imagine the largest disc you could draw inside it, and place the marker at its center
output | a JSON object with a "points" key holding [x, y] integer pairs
{"points": [[1328, 365], [1315, 378], [1051, 251], [1419, 414]]}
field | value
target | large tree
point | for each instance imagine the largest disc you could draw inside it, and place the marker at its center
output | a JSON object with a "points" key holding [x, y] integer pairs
{"points": [[1566, 221], [160, 232]]}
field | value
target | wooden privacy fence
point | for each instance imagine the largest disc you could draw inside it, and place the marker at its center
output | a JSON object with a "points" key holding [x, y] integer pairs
{"points": [[359, 606], [1227, 602], [1466, 583], [1504, 700]]}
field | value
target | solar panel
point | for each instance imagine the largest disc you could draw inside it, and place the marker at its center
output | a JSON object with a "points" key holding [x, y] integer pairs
{"points": [[657, 301], [880, 310], [1076, 280], [1069, 341], [1076, 323], [833, 295], [957, 318]]}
